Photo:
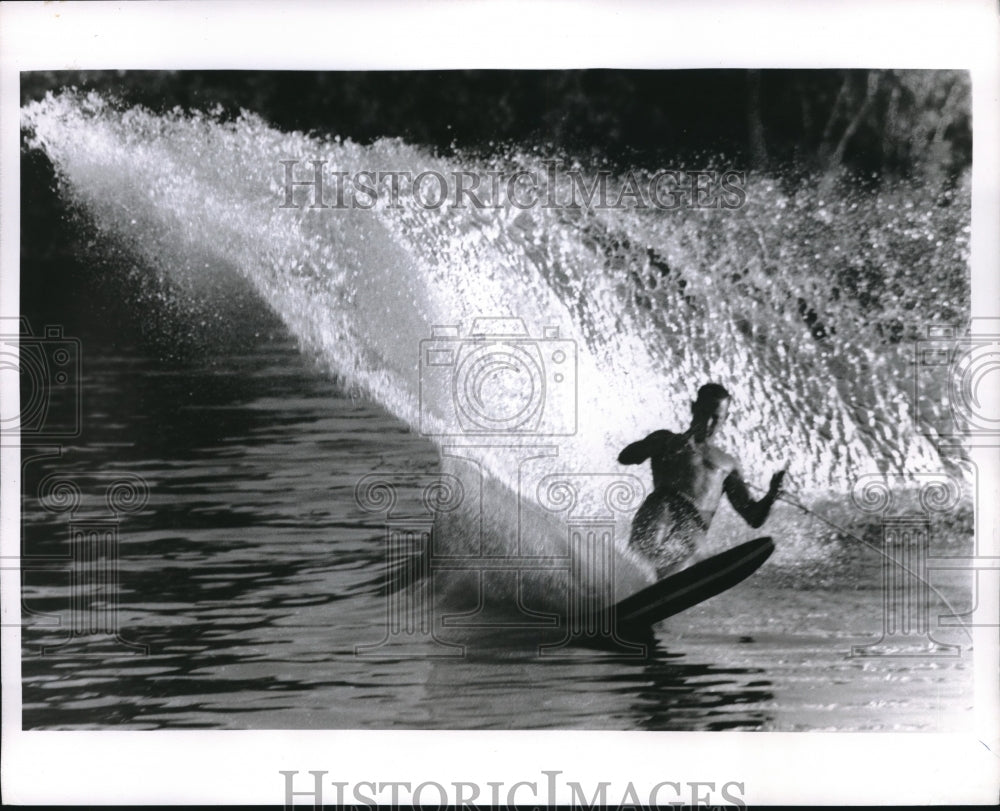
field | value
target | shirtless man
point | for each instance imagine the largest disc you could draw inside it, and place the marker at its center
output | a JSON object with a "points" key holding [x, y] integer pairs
{"points": [[689, 477]]}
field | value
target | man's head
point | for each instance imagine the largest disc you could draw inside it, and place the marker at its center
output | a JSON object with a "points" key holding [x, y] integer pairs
{"points": [[709, 410]]}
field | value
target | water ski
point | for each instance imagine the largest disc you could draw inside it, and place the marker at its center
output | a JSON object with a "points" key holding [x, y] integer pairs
{"points": [[692, 585]]}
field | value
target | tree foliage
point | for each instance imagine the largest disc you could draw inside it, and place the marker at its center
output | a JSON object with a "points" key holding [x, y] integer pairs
{"points": [[881, 122]]}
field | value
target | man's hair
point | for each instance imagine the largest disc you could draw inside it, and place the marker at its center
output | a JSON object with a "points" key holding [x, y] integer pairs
{"points": [[712, 393]]}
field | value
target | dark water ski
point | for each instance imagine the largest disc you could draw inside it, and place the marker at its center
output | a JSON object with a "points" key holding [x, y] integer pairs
{"points": [[691, 586]]}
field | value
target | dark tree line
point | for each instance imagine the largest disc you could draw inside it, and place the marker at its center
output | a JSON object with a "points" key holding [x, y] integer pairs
{"points": [[896, 122]]}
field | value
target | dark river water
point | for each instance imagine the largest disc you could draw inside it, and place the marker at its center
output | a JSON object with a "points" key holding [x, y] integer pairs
{"points": [[244, 589]]}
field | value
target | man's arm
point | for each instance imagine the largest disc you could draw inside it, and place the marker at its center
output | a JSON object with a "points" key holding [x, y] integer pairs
{"points": [[640, 451], [753, 512]]}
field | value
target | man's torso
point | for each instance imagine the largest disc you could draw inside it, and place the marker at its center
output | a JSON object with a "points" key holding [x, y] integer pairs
{"points": [[693, 470]]}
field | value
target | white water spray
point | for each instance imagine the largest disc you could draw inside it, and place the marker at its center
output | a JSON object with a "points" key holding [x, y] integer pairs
{"points": [[648, 304]]}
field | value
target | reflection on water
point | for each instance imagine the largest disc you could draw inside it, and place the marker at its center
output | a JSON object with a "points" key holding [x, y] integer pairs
{"points": [[247, 573]]}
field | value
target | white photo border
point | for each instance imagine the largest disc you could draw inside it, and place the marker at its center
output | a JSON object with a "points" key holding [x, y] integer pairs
{"points": [[110, 767]]}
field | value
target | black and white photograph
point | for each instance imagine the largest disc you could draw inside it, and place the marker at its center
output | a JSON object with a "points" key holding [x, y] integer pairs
{"points": [[587, 402]]}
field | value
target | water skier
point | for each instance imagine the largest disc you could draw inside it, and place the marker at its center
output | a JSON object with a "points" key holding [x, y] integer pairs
{"points": [[689, 477]]}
